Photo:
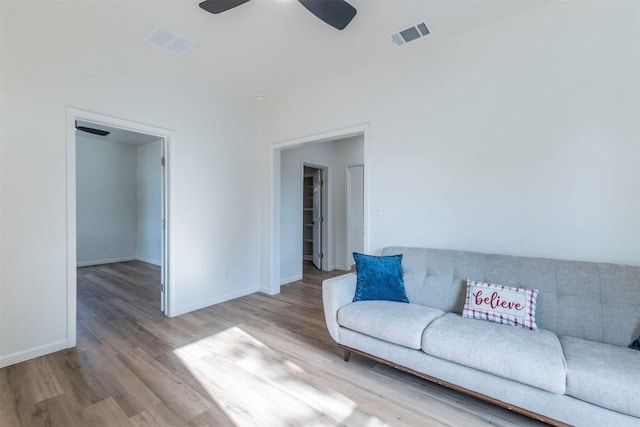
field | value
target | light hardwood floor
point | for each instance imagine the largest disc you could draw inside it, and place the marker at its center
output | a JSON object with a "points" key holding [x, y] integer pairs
{"points": [[255, 361]]}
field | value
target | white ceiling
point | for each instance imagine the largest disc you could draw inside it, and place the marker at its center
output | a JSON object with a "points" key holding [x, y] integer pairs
{"points": [[116, 135], [264, 46]]}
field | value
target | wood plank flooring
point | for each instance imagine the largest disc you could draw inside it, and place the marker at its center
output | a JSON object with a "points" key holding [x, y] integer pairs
{"points": [[254, 361]]}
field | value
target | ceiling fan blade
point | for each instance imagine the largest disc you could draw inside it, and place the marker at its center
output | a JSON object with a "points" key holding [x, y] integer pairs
{"points": [[337, 13], [219, 6]]}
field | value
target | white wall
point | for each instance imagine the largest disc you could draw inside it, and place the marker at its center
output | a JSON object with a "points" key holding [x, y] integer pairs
{"points": [[214, 229], [106, 201], [149, 203], [335, 155], [521, 137], [355, 210]]}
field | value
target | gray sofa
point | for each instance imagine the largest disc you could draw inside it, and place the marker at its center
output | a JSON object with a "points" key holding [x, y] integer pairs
{"points": [[576, 369]]}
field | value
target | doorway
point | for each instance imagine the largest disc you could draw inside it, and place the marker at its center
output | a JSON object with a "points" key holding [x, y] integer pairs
{"points": [[119, 200], [313, 215], [151, 147], [334, 151]]}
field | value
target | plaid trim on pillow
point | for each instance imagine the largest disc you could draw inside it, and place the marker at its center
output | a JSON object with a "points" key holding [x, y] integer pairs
{"points": [[501, 304]]}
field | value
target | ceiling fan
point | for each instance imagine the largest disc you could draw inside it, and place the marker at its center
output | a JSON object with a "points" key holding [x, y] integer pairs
{"points": [[337, 13]]}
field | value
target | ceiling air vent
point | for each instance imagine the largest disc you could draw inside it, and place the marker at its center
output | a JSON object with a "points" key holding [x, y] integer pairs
{"points": [[410, 34], [165, 39]]}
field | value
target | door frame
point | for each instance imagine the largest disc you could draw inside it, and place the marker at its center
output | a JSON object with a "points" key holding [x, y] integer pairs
{"points": [[325, 210], [273, 284], [347, 203], [168, 140]]}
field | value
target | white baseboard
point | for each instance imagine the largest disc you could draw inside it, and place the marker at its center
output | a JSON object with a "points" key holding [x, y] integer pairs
{"points": [[213, 301], [124, 259], [105, 261], [338, 267], [291, 279], [267, 291], [149, 261], [32, 353]]}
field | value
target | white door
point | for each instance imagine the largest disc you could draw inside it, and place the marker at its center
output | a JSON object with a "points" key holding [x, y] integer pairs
{"points": [[317, 219]]}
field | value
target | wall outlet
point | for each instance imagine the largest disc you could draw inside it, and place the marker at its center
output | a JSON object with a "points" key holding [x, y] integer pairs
{"points": [[376, 210]]}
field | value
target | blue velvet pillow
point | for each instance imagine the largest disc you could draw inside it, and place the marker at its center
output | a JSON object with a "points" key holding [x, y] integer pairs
{"points": [[636, 344], [379, 278]]}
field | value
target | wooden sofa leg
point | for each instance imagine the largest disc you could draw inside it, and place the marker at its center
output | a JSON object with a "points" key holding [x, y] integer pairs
{"points": [[347, 355]]}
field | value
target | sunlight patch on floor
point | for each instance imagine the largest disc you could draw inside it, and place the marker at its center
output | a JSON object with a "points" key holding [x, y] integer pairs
{"points": [[256, 385]]}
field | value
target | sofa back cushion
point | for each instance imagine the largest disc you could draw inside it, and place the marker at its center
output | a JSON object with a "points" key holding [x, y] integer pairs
{"points": [[593, 301]]}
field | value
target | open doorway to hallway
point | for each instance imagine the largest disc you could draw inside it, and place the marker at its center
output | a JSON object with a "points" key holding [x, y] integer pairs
{"points": [[321, 239]]}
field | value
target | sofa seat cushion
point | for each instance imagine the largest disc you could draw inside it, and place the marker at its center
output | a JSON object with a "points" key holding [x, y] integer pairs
{"points": [[603, 374], [530, 357], [396, 322]]}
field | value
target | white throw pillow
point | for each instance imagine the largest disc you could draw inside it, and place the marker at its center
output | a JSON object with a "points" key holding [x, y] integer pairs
{"points": [[501, 304]]}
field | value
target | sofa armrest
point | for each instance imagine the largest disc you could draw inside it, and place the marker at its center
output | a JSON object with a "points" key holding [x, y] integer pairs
{"points": [[336, 293]]}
